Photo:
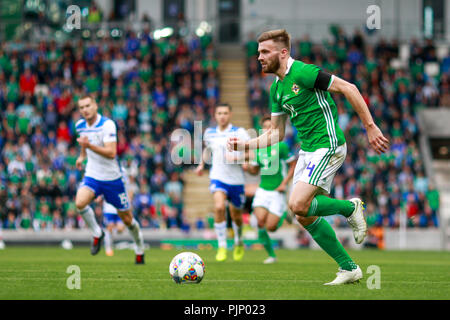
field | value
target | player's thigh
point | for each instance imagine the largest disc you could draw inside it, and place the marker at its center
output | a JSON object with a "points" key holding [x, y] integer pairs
{"points": [[325, 179], [236, 199], [84, 197], [320, 166], [301, 197], [310, 176], [261, 214], [260, 206], [277, 208], [115, 193], [219, 198]]}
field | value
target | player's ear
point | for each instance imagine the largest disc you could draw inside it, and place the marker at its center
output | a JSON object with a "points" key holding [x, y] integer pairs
{"points": [[285, 52]]}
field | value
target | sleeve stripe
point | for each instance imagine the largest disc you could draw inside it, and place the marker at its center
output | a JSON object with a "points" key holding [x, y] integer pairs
{"points": [[331, 81], [277, 113]]}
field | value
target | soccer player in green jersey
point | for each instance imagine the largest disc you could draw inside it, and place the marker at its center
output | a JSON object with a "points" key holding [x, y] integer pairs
{"points": [[302, 91], [269, 202]]}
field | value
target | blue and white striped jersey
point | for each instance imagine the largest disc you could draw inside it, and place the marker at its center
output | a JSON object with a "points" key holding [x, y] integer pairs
{"points": [[222, 169], [103, 130]]}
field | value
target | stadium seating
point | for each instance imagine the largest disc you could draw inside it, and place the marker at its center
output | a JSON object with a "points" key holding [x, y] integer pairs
{"points": [[148, 87]]}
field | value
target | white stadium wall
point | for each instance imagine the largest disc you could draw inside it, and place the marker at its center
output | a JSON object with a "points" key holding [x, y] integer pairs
{"points": [[153, 8]]}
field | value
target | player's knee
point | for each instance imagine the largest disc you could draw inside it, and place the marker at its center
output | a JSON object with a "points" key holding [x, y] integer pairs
{"points": [[126, 217], [261, 223], [300, 208], [80, 204], [127, 220], [301, 220], [238, 220], [272, 227], [219, 208]]}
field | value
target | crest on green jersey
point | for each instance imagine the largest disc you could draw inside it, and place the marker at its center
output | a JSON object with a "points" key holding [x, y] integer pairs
{"points": [[295, 88]]}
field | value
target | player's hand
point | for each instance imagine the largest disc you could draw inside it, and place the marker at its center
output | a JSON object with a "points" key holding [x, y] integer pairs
{"points": [[235, 144], [281, 188], [98, 199], [376, 139], [199, 169], [79, 163], [83, 141]]}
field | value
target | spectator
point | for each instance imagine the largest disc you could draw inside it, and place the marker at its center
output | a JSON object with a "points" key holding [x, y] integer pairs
{"points": [[27, 82]]}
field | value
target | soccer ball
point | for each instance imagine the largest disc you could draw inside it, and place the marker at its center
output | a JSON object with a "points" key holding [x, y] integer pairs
{"points": [[187, 267]]}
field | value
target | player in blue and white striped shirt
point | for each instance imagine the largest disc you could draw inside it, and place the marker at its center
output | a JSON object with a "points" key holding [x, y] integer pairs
{"points": [[227, 179], [103, 176]]}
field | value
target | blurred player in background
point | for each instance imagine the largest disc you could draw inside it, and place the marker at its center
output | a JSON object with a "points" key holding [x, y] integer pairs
{"points": [[269, 202], [227, 179], [302, 91], [103, 176], [111, 222]]}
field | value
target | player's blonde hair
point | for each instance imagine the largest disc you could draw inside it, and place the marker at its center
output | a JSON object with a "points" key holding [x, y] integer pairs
{"points": [[86, 96], [278, 36]]}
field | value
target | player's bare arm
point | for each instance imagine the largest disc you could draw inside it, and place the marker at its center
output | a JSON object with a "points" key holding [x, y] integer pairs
{"points": [[376, 138], [201, 166], [109, 150], [81, 158], [274, 135]]}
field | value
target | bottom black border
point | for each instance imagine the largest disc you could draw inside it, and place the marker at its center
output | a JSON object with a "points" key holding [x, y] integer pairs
{"points": [[224, 309]]}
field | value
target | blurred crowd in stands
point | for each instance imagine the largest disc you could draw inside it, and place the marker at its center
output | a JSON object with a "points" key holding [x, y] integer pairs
{"points": [[150, 87], [147, 86], [393, 182]]}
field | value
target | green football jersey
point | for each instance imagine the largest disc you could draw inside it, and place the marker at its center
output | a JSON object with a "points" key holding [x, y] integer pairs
{"points": [[312, 111], [272, 162]]}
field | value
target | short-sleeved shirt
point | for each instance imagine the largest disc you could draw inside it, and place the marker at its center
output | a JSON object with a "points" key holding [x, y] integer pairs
{"points": [[223, 170], [272, 162], [312, 111], [103, 130]]}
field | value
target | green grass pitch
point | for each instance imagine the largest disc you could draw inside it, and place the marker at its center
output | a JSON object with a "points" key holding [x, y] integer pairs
{"points": [[40, 273]]}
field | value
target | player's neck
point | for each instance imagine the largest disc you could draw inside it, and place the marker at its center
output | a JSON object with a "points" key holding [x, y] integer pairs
{"points": [[223, 128], [91, 121], [281, 72]]}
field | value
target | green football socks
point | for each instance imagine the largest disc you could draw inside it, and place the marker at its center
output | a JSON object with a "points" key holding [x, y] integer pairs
{"points": [[324, 235], [265, 240], [324, 206]]}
